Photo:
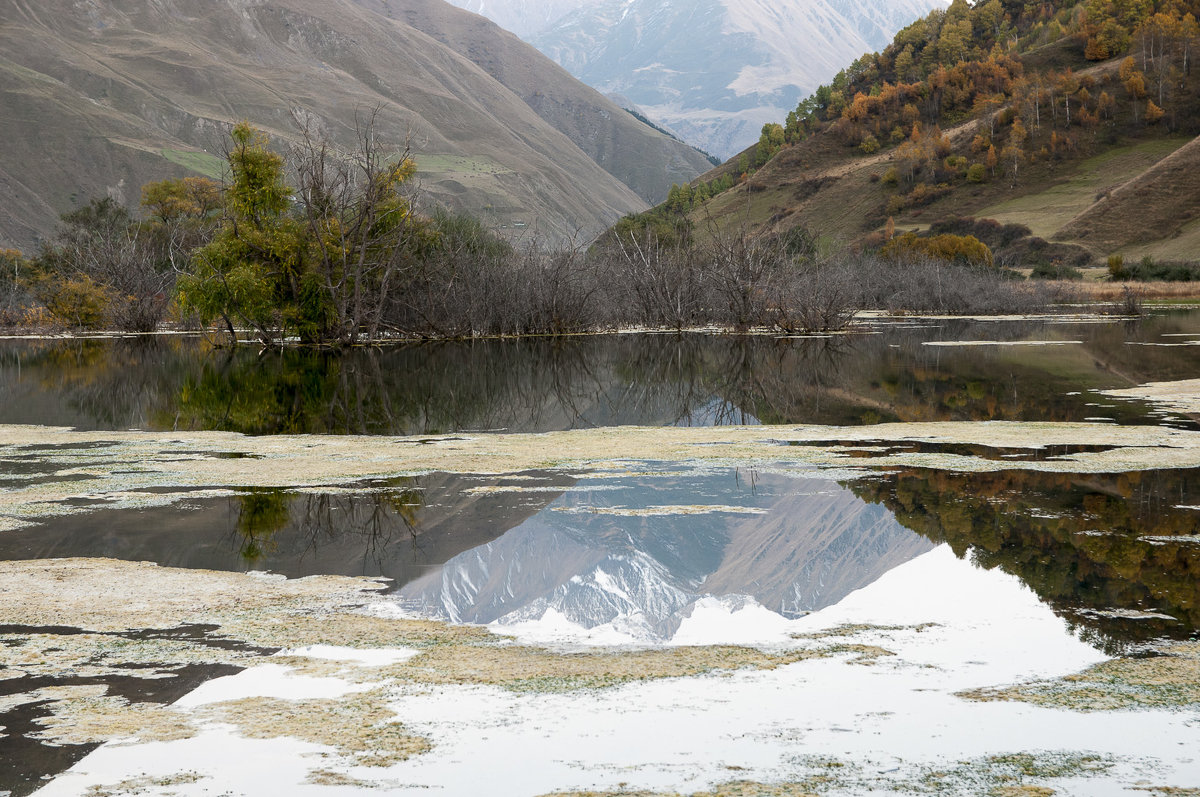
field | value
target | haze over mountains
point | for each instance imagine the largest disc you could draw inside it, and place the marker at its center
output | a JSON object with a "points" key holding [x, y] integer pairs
{"points": [[712, 71], [97, 98]]}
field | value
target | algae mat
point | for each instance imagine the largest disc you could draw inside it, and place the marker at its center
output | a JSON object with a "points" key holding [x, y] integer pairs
{"points": [[49, 467], [358, 698]]}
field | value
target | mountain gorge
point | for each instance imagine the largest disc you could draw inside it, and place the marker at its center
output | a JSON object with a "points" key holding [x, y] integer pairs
{"points": [[99, 98], [712, 71]]}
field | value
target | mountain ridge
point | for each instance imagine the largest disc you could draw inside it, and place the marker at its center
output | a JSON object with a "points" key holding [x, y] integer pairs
{"points": [[713, 70], [1069, 147], [101, 97]]}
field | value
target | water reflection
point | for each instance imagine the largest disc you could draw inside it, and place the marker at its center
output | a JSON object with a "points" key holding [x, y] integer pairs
{"points": [[633, 555], [542, 385], [1117, 556], [632, 552]]}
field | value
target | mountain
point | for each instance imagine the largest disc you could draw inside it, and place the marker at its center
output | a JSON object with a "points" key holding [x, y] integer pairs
{"points": [[523, 17], [714, 71], [641, 157], [1058, 139], [100, 97]]}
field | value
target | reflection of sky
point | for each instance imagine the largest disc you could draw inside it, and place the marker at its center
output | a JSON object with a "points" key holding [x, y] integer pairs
{"points": [[890, 723], [631, 557]]}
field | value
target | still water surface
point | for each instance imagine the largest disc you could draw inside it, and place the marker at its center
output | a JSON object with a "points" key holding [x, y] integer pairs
{"points": [[631, 554]]}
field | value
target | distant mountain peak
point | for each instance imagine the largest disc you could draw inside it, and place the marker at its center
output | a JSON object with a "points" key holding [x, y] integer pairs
{"points": [[713, 70]]}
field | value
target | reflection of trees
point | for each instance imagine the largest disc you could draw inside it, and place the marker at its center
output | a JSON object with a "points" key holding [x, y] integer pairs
{"points": [[114, 383], [544, 384], [1087, 545], [261, 513], [374, 518]]}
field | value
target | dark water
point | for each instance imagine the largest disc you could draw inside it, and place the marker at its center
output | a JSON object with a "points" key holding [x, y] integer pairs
{"points": [[1117, 556], [888, 374]]}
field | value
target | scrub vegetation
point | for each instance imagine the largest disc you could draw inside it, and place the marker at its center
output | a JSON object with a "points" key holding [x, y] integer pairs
{"points": [[325, 247], [1070, 121]]}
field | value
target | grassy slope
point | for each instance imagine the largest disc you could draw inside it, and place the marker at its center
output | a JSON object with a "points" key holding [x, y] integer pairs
{"points": [[107, 95], [829, 189], [1049, 210], [833, 190], [1150, 208], [638, 155]]}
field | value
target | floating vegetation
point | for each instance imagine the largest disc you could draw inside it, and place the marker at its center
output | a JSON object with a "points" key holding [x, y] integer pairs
{"points": [[86, 715], [1182, 396], [1007, 775], [146, 628], [662, 511], [1000, 342], [1165, 678], [359, 727], [530, 669], [140, 469], [144, 785]]}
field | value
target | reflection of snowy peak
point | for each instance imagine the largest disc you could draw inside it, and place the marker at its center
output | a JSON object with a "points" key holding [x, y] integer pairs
{"points": [[712, 70], [823, 545], [616, 562]]}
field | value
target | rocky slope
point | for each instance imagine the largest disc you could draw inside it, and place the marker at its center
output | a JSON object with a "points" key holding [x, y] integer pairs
{"points": [[100, 97], [635, 153]]}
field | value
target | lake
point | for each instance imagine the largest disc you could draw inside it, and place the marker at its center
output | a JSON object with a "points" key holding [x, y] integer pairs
{"points": [[969, 566]]}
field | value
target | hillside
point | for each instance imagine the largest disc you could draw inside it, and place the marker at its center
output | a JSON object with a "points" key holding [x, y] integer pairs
{"points": [[636, 154], [714, 71], [1077, 126], [99, 98]]}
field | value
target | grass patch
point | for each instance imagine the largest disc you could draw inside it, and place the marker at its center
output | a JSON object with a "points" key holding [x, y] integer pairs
{"points": [[360, 727], [199, 162], [1046, 211], [1170, 681]]}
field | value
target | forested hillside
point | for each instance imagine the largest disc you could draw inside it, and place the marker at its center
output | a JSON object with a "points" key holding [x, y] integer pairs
{"points": [[1050, 115]]}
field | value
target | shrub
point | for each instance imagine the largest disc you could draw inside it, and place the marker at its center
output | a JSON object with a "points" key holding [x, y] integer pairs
{"points": [[1116, 267], [1149, 269], [950, 248], [921, 284], [77, 302], [976, 173], [1055, 271]]}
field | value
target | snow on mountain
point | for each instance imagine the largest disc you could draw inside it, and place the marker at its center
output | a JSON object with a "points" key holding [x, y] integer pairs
{"points": [[712, 71]]}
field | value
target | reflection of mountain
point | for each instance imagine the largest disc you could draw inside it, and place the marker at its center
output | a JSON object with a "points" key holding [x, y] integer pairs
{"points": [[812, 550], [813, 543], [1117, 556]]}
